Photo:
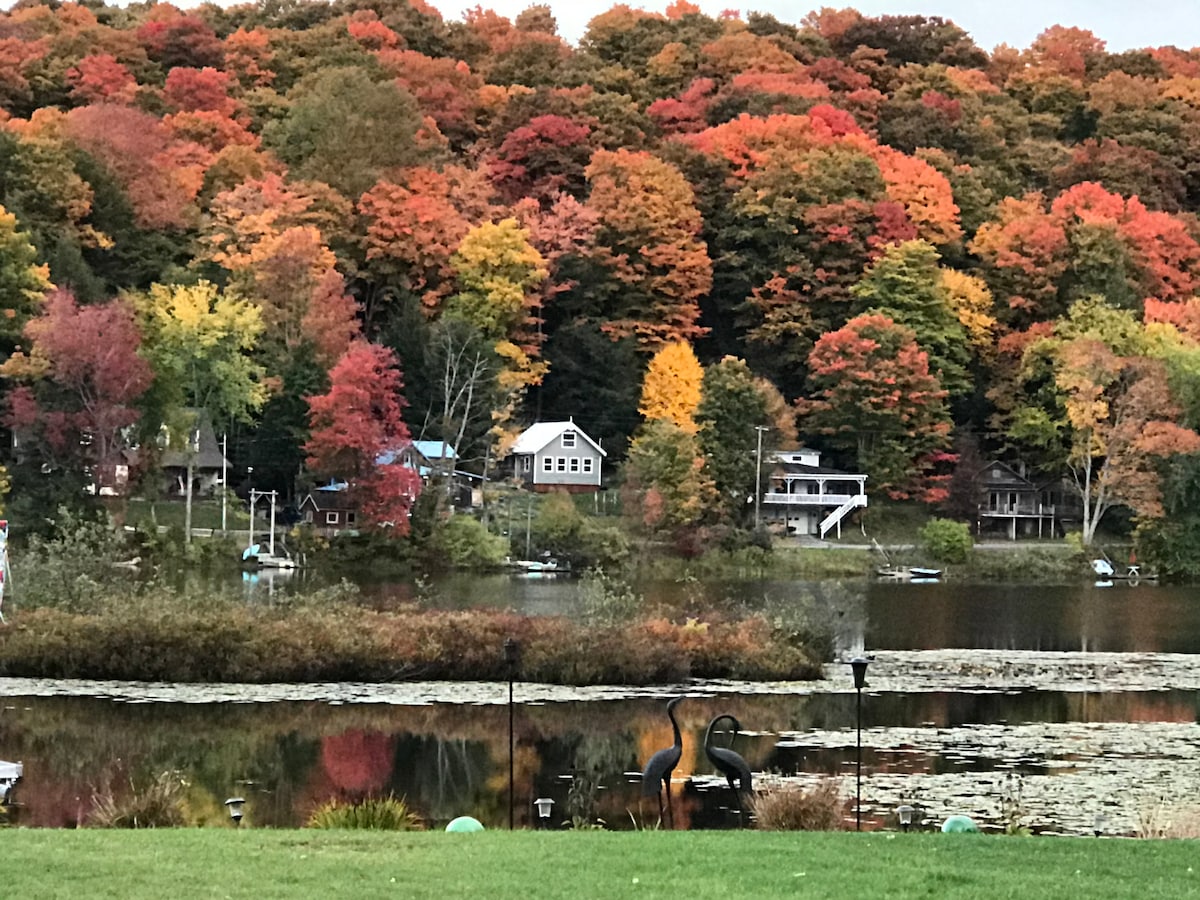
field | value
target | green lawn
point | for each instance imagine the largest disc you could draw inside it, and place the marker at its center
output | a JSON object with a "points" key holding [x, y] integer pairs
{"points": [[727, 865], [205, 513]]}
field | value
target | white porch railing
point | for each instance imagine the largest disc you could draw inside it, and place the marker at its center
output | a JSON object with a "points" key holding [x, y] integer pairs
{"points": [[779, 497]]}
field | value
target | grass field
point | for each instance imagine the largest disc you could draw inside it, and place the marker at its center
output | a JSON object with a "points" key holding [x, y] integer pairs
{"points": [[727, 865]]}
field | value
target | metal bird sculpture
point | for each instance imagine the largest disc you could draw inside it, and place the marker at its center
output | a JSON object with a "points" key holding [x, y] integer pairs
{"points": [[658, 770], [726, 761]]}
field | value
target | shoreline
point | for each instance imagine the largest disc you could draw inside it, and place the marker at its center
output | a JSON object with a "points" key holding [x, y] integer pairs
{"points": [[891, 671]]}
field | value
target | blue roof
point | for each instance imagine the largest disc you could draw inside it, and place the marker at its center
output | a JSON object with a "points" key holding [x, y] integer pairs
{"points": [[431, 450]]}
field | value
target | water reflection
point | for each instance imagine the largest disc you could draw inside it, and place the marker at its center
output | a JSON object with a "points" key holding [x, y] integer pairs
{"points": [[447, 760], [862, 613]]}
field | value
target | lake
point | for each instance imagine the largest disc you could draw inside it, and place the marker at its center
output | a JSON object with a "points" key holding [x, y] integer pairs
{"points": [[1082, 699]]}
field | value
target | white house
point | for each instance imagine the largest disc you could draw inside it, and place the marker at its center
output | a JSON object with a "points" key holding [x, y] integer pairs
{"points": [[807, 497], [557, 455]]}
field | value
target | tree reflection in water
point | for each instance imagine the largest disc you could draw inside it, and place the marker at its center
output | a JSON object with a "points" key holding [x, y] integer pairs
{"points": [[451, 759]]}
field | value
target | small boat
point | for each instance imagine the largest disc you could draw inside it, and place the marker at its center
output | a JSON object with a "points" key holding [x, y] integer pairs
{"points": [[889, 569], [909, 573], [10, 774], [254, 555], [546, 566], [1106, 571]]}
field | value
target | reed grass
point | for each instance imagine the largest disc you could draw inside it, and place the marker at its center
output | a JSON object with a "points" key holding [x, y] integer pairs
{"points": [[163, 637]]}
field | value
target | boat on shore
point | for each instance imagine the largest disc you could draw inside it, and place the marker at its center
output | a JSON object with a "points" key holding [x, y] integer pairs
{"points": [[255, 556], [1106, 571], [909, 573], [546, 566]]}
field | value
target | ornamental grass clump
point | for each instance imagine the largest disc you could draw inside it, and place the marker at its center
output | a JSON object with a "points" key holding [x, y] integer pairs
{"points": [[159, 805], [388, 813], [817, 808]]}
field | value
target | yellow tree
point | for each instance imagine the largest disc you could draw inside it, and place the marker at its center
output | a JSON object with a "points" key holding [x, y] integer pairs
{"points": [[199, 342], [497, 270], [972, 302], [671, 387]]}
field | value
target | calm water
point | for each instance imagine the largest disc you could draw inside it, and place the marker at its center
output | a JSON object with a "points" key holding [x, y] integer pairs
{"points": [[451, 759]]}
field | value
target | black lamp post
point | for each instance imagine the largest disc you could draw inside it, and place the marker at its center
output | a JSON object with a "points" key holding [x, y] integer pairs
{"points": [[512, 659], [859, 666], [904, 813]]}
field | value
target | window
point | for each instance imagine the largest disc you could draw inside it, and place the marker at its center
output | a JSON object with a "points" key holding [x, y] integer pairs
{"points": [[568, 439], [308, 516], [350, 517], [547, 464], [526, 463], [331, 518], [562, 464], [574, 464], [587, 466]]}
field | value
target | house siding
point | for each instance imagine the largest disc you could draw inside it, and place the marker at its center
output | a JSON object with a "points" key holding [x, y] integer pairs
{"points": [[569, 461]]}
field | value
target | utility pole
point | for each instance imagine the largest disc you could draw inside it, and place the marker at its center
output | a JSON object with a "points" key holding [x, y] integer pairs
{"points": [[758, 473], [224, 476]]}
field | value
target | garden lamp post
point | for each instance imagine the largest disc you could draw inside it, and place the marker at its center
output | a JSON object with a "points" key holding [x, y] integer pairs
{"points": [[544, 805], [237, 809], [904, 813], [858, 665], [512, 659]]}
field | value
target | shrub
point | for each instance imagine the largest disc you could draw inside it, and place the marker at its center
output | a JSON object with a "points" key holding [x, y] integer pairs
{"points": [[608, 599], [947, 541], [71, 569], [159, 805], [464, 543], [373, 813], [795, 809]]}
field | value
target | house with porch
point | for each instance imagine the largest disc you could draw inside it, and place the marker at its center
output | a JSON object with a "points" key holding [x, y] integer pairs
{"points": [[552, 456], [805, 497], [1017, 505]]}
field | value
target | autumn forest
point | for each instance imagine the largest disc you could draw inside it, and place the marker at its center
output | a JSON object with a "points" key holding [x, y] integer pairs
{"points": [[335, 225]]}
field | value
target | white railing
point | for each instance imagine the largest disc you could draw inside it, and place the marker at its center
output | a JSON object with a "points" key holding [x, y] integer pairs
{"points": [[811, 499]]}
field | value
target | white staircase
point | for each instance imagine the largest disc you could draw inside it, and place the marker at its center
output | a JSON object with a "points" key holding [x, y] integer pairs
{"points": [[835, 517]]}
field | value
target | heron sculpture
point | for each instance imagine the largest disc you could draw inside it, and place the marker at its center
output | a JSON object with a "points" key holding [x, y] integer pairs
{"points": [[726, 761], [658, 770]]}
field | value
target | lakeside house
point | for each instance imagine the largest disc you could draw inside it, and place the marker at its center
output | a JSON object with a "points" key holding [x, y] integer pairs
{"points": [[1012, 503], [805, 497], [203, 452], [552, 456], [329, 509]]}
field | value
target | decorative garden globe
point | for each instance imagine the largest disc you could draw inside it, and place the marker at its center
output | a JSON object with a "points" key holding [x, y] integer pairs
{"points": [[959, 825], [465, 823]]}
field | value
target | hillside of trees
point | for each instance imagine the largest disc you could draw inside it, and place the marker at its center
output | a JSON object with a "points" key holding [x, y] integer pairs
{"points": [[870, 234]]}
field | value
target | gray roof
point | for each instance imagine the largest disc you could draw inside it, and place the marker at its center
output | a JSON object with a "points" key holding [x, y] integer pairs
{"points": [[209, 455]]}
